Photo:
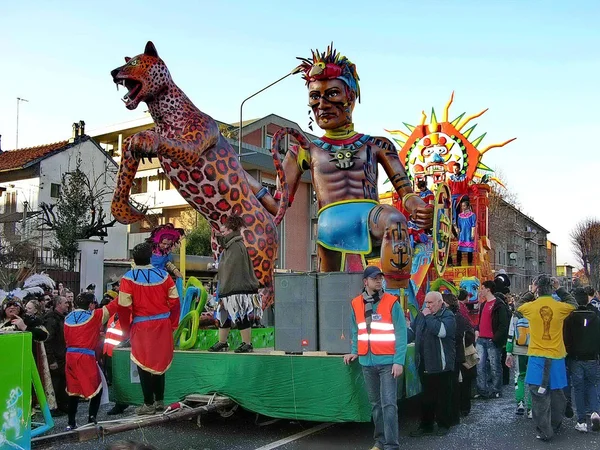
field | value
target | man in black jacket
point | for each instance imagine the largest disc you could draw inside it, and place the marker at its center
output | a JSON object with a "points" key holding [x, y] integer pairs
{"points": [[491, 334], [582, 340], [434, 331], [56, 350]]}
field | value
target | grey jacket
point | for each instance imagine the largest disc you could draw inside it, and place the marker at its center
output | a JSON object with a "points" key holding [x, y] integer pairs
{"points": [[434, 337], [236, 274]]}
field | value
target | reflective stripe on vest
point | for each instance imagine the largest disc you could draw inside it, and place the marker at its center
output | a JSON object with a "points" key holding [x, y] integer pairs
{"points": [[382, 339], [114, 336]]}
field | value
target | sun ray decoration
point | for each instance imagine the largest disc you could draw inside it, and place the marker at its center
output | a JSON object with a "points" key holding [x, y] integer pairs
{"points": [[433, 148]]}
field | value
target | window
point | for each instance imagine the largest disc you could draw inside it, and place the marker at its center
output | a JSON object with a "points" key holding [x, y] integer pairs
{"points": [[54, 190], [268, 141], [164, 183], [140, 186]]}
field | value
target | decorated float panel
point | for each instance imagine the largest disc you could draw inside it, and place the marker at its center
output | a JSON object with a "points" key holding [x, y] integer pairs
{"points": [[444, 155]]}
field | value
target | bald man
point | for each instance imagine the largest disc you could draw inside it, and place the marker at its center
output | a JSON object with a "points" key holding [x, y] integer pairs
{"points": [[433, 332]]}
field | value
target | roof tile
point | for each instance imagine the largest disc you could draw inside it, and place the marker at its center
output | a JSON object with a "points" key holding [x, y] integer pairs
{"points": [[16, 159]]}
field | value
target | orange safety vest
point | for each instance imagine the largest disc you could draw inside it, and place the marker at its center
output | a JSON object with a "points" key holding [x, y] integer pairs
{"points": [[381, 339], [114, 336]]}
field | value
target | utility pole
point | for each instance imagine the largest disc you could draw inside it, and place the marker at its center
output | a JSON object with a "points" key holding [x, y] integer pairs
{"points": [[293, 72], [19, 100]]}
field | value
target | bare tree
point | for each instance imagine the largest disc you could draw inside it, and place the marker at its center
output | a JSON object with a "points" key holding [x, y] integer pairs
{"points": [[585, 238], [78, 213], [500, 211]]}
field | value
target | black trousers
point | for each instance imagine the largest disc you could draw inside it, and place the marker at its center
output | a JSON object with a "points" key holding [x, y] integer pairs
{"points": [[468, 375], [153, 386], [93, 411], [459, 257], [437, 395], [59, 383]]}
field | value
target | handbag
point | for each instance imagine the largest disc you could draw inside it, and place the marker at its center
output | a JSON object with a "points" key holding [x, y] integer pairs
{"points": [[471, 356]]}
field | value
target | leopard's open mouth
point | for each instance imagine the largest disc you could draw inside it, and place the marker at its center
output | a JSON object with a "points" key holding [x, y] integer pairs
{"points": [[133, 89]]}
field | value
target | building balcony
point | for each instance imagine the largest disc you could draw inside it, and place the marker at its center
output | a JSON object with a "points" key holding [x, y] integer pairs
{"points": [[160, 199], [529, 235], [513, 247], [529, 254], [512, 270]]}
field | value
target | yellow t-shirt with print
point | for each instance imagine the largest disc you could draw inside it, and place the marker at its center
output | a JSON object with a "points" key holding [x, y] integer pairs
{"points": [[546, 316]]}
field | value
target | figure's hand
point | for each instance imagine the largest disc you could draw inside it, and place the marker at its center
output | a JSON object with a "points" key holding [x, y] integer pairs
{"points": [[18, 322], [509, 360], [177, 273], [143, 144], [476, 335], [420, 213], [349, 358], [397, 370]]}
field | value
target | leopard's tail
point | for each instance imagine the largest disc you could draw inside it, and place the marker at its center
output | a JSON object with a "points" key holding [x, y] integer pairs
{"points": [[284, 201]]}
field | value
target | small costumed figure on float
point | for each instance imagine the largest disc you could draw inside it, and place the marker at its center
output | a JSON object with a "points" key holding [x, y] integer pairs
{"points": [[466, 223], [163, 239]]}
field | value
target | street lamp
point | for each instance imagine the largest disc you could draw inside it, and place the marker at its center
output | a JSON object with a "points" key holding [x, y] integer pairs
{"points": [[19, 100], [293, 72]]}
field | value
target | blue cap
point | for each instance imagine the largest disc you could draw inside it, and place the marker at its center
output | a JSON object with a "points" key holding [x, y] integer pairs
{"points": [[372, 272]]}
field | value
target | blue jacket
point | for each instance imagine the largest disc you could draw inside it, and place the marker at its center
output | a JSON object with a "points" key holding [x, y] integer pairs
{"points": [[434, 340]]}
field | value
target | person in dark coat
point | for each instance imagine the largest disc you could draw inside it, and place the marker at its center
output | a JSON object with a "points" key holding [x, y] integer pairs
{"points": [[433, 331], [237, 289], [56, 350], [461, 385]]}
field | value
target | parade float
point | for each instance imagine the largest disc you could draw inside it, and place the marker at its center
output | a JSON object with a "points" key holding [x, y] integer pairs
{"points": [[444, 156], [303, 376]]}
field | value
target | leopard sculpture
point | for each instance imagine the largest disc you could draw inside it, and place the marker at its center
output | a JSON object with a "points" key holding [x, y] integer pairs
{"points": [[199, 162]]}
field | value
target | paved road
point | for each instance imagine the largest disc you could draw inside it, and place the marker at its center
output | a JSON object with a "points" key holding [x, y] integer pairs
{"points": [[492, 425]]}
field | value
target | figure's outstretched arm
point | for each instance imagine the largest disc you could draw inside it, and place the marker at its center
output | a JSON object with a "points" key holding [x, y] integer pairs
{"points": [[293, 168], [387, 156]]}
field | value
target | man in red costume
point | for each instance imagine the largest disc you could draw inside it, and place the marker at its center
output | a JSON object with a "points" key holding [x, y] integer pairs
{"points": [[150, 296], [82, 334]]}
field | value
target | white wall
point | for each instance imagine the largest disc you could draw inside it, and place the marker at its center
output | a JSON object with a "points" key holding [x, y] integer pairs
{"points": [[26, 190], [96, 166]]}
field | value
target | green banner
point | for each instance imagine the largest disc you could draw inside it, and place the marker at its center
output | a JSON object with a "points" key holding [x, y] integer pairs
{"points": [[15, 391], [319, 388]]}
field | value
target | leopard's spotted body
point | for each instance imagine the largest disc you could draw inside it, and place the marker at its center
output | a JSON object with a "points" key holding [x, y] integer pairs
{"points": [[198, 160]]}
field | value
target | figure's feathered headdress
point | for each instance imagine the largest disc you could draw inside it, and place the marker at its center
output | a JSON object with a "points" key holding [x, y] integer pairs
{"points": [[35, 284], [331, 65], [167, 231]]}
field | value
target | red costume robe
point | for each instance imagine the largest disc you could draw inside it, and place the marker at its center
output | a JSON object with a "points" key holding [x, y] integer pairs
{"points": [[82, 335], [150, 296]]}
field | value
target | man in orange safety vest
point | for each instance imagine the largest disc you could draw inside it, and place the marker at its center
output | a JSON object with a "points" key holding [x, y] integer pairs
{"points": [[379, 342]]}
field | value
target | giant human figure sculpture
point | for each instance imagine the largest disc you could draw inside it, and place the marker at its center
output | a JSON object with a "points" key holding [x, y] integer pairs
{"points": [[344, 168]]}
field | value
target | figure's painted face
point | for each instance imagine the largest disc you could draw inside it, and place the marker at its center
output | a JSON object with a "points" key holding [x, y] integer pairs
{"points": [[464, 207], [165, 245], [331, 103], [432, 156]]}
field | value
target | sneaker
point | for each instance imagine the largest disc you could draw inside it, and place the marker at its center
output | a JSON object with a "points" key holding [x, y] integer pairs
{"points": [[496, 395], [480, 397], [71, 427], [219, 347], [92, 419], [595, 421], [582, 427], [529, 414], [421, 432], [145, 410], [569, 411], [520, 409], [159, 405], [244, 348]]}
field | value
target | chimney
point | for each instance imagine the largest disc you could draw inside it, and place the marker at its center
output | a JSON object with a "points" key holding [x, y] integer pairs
{"points": [[75, 134], [81, 128]]}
